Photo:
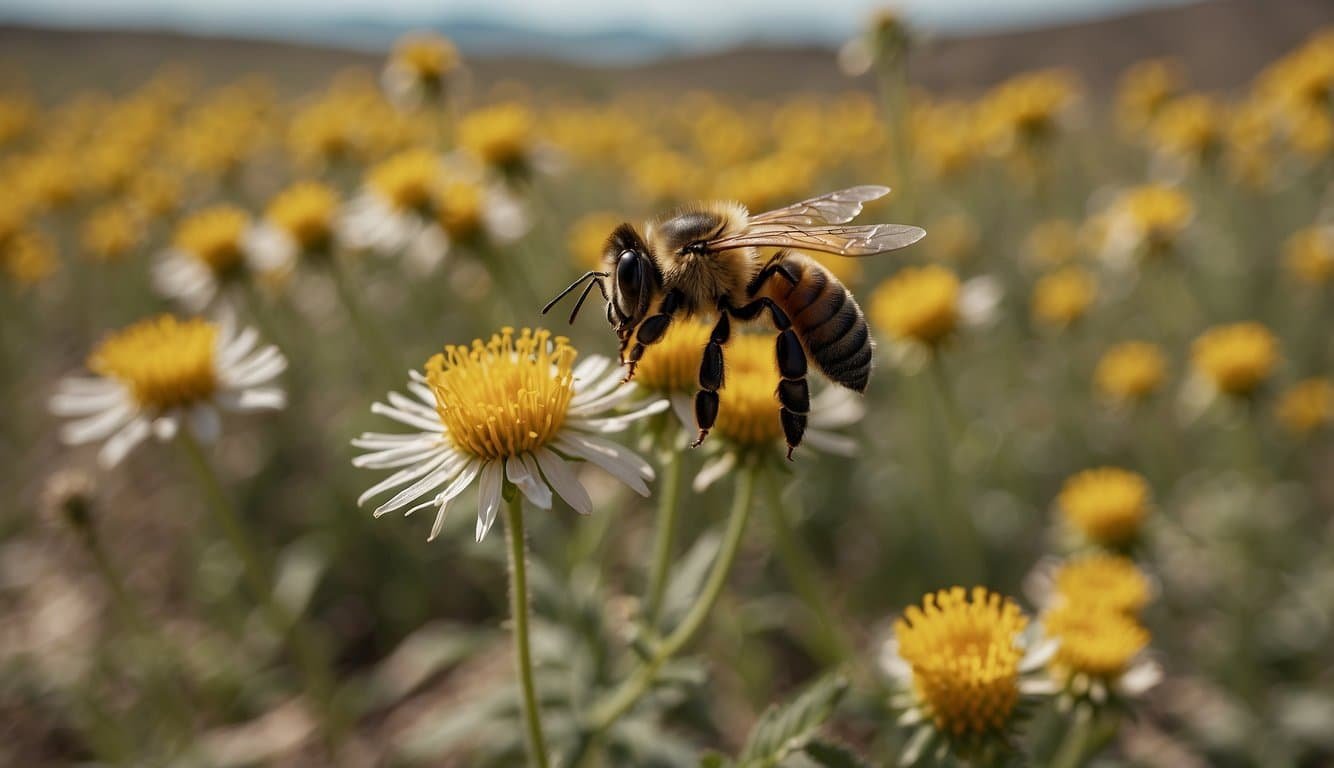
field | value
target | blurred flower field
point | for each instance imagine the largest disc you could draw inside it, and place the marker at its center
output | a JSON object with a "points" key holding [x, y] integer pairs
{"points": [[262, 358]]}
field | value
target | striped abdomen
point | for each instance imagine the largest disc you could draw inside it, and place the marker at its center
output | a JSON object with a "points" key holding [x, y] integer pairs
{"points": [[828, 321]]}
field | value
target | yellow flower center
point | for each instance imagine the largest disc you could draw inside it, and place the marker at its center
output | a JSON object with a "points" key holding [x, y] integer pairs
{"points": [[919, 303], [408, 180], [500, 135], [1158, 214], [460, 209], [1063, 297], [1111, 582], [1236, 358], [429, 57], [672, 365], [1093, 642], [965, 656], [505, 396], [1308, 406], [1309, 255], [213, 236], [1131, 370], [28, 257], [1190, 127], [1107, 504], [305, 212], [164, 361], [747, 403], [109, 234]]}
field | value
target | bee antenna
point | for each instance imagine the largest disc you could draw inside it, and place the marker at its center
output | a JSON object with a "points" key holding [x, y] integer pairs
{"points": [[571, 287], [580, 303]]}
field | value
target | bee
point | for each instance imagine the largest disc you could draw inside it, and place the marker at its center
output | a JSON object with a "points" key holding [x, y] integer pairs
{"points": [[706, 259]]}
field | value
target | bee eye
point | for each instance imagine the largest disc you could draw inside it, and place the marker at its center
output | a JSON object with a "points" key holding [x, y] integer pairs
{"points": [[628, 283]]}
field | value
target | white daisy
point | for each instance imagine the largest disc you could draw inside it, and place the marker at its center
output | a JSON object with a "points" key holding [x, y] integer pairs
{"points": [[163, 373], [211, 250], [514, 408]]}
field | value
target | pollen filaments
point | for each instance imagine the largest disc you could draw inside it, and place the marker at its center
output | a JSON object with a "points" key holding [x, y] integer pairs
{"points": [[1093, 642], [164, 362], [506, 396], [964, 650], [214, 236], [1111, 582], [672, 365]]}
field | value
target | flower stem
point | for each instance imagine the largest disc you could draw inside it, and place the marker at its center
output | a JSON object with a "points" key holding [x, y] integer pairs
{"points": [[169, 698], [371, 336], [1083, 739], [668, 496], [607, 711], [309, 654], [804, 574], [523, 655]]}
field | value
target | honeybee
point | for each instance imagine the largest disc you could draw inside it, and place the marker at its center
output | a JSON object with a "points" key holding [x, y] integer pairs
{"points": [[706, 258]]}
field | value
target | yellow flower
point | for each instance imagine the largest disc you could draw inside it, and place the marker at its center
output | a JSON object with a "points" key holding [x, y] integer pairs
{"points": [[428, 56], [1130, 371], [663, 176], [214, 237], [1061, 298], [502, 136], [766, 182], [28, 258], [1052, 242], [1150, 218], [513, 409], [110, 233], [17, 114], [1107, 505], [305, 213], [1024, 111], [672, 365], [587, 236], [155, 194], [947, 138], [747, 405], [1190, 129], [1307, 406], [460, 210], [964, 652], [164, 362], [1103, 581], [407, 181], [1096, 643], [918, 304], [1309, 255], [953, 238], [1236, 358], [1145, 89]]}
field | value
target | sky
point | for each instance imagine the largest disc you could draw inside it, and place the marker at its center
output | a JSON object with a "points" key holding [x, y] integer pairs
{"points": [[714, 20]]}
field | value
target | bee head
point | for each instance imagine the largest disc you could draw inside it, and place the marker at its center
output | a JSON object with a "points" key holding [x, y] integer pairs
{"points": [[634, 276]]}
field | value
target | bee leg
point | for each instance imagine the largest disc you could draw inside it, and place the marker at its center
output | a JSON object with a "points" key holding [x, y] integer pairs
{"points": [[650, 331], [711, 377], [775, 266], [794, 394]]}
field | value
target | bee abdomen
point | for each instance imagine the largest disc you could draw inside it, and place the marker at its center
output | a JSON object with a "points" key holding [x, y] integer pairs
{"points": [[829, 322]]}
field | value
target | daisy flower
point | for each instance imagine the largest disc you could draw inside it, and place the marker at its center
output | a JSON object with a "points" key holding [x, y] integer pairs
{"points": [[418, 69], [513, 409], [209, 253], [162, 374], [298, 224], [962, 663], [396, 206]]}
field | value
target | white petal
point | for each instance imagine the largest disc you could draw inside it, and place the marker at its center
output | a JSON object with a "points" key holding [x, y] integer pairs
{"points": [[401, 477], [621, 463], [528, 481], [713, 471], [403, 417], [620, 422], [85, 403], [489, 489], [123, 442], [840, 445], [563, 479], [684, 406], [99, 426], [447, 471], [256, 399], [167, 425], [397, 457], [1140, 678]]}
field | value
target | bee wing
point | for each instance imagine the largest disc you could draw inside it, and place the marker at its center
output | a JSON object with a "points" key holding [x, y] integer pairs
{"points": [[863, 240], [832, 208]]}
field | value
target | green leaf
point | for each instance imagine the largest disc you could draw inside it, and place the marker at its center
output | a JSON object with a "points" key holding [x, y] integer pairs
{"points": [[828, 754], [714, 760], [785, 729]]}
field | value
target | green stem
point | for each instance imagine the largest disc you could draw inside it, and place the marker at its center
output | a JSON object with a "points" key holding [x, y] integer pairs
{"points": [[607, 711], [309, 655], [523, 655], [168, 696], [804, 573], [371, 336], [1073, 748], [668, 495], [954, 423]]}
